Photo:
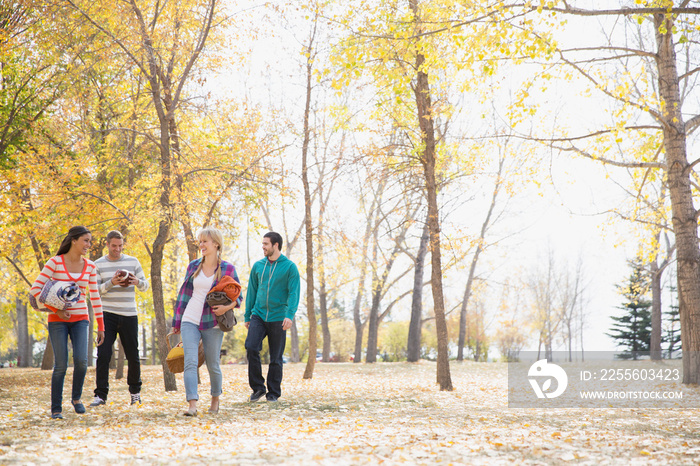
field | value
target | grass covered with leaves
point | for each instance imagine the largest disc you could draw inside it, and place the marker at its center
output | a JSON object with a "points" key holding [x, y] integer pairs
{"points": [[347, 414]]}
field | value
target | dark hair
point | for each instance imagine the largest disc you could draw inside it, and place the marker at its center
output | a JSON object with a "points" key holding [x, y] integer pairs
{"points": [[73, 233], [274, 238], [114, 234]]}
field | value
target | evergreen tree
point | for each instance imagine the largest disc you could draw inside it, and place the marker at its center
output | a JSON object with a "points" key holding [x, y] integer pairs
{"points": [[633, 330]]}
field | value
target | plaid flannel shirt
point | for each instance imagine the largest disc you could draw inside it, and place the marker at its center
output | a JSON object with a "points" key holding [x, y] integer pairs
{"points": [[183, 297]]}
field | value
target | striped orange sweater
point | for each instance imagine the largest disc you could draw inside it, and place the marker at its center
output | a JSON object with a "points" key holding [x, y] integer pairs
{"points": [[55, 269]]}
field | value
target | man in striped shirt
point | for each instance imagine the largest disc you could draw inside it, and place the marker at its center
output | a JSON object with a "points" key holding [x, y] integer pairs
{"points": [[120, 316]]}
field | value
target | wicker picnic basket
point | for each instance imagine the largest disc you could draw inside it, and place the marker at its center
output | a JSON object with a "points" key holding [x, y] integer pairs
{"points": [[176, 356]]}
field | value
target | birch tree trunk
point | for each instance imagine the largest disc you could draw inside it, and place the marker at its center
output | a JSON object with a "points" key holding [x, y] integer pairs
{"points": [[295, 343], [24, 350], [154, 343], [322, 291], [357, 317], [323, 310], [655, 343], [379, 287], [413, 344], [310, 307], [472, 268]]}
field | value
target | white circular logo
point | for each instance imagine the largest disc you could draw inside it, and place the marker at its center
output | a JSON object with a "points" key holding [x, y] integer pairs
{"points": [[542, 368]]}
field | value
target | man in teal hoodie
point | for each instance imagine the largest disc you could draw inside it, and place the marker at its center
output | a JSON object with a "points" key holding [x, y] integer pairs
{"points": [[272, 300]]}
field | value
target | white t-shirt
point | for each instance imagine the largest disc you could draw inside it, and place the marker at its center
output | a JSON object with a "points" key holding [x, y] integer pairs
{"points": [[202, 284]]}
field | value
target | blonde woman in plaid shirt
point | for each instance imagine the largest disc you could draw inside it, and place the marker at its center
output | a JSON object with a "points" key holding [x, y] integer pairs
{"points": [[194, 319]]}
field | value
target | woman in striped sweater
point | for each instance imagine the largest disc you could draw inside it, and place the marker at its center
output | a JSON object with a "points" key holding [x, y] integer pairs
{"points": [[69, 265]]}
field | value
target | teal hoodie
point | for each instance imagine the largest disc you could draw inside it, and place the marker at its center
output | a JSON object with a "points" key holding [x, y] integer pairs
{"points": [[273, 290]]}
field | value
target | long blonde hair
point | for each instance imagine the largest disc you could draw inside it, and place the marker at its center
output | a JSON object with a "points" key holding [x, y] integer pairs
{"points": [[218, 239]]}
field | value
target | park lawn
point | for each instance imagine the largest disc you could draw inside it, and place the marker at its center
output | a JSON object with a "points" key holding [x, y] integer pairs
{"points": [[384, 413]]}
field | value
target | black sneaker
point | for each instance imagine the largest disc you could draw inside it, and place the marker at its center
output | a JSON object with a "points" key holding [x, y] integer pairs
{"points": [[135, 398], [272, 399], [256, 395], [97, 402]]}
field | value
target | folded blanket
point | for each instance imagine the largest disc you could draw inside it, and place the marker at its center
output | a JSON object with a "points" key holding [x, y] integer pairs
{"points": [[218, 298], [56, 295], [229, 286], [226, 291], [227, 320]]}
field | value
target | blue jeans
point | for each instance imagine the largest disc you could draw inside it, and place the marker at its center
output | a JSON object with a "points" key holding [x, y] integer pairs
{"points": [[59, 333], [276, 340], [211, 341]]}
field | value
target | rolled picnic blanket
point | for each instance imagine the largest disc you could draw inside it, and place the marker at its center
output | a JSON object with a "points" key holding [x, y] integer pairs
{"points": [[56, 295]]}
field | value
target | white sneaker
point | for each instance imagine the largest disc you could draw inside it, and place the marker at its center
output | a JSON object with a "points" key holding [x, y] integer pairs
{"points": [[97, 401]]}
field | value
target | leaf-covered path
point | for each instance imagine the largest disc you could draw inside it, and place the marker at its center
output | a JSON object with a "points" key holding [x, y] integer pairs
{"points": [[348, 414]]}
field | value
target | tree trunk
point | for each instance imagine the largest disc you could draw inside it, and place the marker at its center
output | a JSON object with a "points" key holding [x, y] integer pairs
{"points": [[323, 292], [461, 341], [161, 86], [684, 215], [356, 315], [359, 331], [655, 343], [428, 159], [378, 290], [294, 356], [308, 221], [159, 242], [154, 342], [472, 268], [357, 318], [295, 343], [47, 359], [158, 305], [24, 350], [164, 226], [41, 253], [373, 328], [413, 345], [190, 240], [323, 308], [373, 318]]}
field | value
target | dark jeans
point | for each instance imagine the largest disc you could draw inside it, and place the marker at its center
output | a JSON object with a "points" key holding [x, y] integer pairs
{"points": [[276, 339], [78, 334], [127, 327]]}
